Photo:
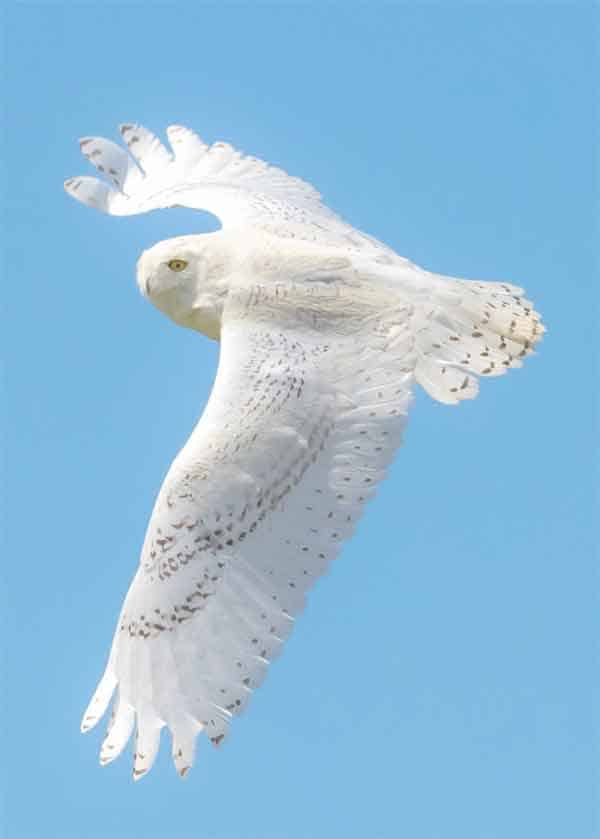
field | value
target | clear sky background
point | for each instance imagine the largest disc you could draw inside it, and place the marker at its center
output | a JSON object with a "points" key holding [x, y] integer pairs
{"points": [[439, 685]]}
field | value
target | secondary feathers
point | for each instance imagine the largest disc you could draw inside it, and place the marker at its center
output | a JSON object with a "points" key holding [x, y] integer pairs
{"points": [[324, 332]]}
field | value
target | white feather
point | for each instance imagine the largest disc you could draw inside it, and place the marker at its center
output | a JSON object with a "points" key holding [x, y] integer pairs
{"points": [[324, 333]]}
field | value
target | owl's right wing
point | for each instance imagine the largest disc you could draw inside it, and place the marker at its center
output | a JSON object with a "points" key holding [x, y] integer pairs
{"points": [[305, 414], [240, 190]]}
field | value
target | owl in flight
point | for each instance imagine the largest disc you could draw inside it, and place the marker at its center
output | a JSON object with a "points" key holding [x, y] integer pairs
{"points": [[324, 334]]}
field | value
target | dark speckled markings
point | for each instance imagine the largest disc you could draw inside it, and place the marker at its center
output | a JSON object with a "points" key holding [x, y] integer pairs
{"points": [[275, 384], [319, 358]]}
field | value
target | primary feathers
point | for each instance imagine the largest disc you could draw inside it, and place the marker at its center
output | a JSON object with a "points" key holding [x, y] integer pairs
{"points": [[324, 332]]}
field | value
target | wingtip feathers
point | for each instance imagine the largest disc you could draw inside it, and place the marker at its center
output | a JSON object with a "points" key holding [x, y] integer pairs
{"points": [[99, 701]]}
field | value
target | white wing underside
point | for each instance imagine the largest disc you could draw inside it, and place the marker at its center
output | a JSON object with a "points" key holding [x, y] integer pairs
{"points": [[307, 410], [297, 433], [240, 190]]}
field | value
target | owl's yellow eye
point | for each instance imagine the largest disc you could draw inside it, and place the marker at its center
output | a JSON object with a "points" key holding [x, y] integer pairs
{"points": [[177, 264]]}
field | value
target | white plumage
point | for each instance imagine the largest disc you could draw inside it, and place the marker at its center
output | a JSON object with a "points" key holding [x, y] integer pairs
{"points": [[324, 332]]}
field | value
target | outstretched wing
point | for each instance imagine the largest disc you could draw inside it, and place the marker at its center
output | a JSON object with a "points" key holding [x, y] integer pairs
{"points": [[303, 419], [307, 410], [238, 189]]}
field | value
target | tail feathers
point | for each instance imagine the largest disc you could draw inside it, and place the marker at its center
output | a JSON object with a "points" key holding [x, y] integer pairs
{"points": [[445, 383], [472, 329]]}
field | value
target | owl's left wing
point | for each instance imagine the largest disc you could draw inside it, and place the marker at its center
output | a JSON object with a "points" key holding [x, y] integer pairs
{"points": [[240, 190], [304, 416]]}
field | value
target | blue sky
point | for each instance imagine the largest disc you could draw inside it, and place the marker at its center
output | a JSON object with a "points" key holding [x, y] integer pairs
{"points": [[439, 683]]}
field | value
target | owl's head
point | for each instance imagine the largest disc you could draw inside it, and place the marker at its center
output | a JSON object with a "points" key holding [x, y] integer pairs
{"points": [[186, 278]]}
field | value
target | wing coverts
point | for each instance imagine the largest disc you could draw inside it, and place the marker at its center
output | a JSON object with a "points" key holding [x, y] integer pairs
{"points": [[227, 562], [307, 411]]}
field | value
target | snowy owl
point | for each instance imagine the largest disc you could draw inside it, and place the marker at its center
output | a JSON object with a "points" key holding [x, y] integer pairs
{"points": [[324, 334]]}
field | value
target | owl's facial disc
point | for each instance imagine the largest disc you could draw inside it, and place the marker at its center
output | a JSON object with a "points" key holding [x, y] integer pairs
{"points": [[175, 275]]}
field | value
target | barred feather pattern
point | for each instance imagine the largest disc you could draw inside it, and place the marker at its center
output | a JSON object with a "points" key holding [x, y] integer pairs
{"points": [[468, 329], [239, 189], [324, 334], [226, 566]]}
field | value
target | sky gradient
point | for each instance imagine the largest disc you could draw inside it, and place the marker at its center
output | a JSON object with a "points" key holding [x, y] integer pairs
{"points": [[439, 683]]}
